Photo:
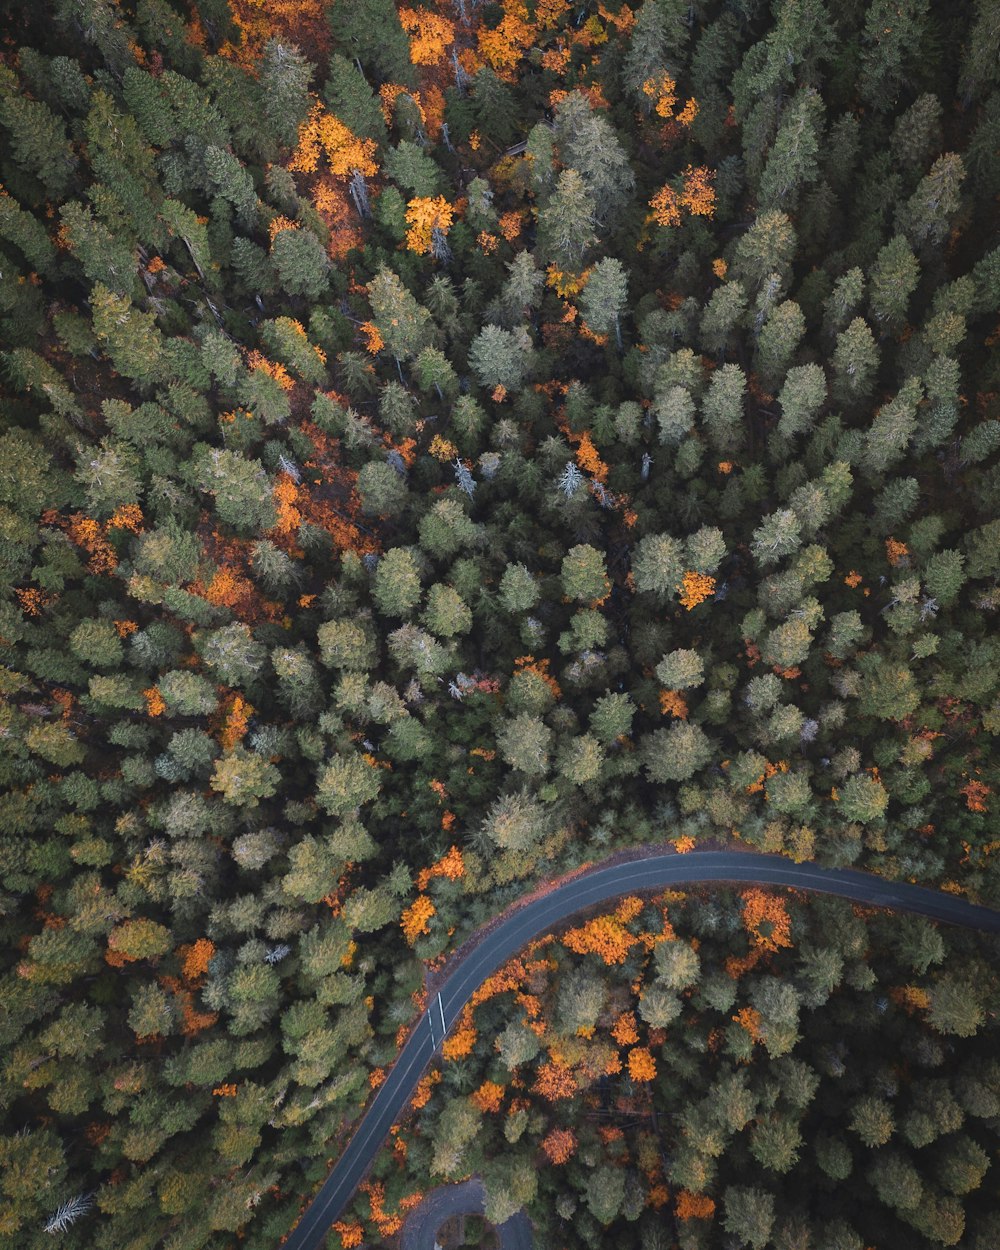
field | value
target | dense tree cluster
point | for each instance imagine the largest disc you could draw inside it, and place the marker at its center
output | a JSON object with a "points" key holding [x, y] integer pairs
{"points": [[439, 443], [791, 1073]]}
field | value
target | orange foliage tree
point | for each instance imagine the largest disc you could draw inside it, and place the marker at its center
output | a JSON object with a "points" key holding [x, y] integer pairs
{"points": [[749, 1020], [237, 722], [976, 794], [666, 207], [662, 91], [299, 22], [559, 1144], [695, 588], [554, 1080], [323, 134], [504, 46], [488, 1096], [90, 535], [606, 936], [127, 517], [672, 703], [624, 1030], [698, 196], [450, 865], [195, 958], [430, 34], [766, 920], [460, 1043], [415, 918], [694, 1206], [641, 1064]]}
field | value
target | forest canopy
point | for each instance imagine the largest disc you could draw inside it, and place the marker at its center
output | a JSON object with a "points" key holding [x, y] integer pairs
{"points": [[443, 444]]}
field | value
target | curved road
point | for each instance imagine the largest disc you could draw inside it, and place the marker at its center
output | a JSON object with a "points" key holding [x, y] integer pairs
{"points": [[655, 871], [465, 1198]]}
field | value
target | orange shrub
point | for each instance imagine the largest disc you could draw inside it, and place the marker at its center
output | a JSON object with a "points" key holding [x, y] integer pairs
{"points": [[460, 1043], [450, 865], [351, 1235], [424, 1086]]}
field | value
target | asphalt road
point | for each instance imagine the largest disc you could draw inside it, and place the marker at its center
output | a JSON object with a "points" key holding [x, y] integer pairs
{"points": [[465, 1198], [656, 871]]}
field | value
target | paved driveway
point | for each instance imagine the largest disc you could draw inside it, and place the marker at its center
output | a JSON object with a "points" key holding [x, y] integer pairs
{"points": [[466, 1198]]}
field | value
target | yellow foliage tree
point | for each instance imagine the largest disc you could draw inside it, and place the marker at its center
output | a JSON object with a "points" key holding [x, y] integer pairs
{"points": [[430, 34], [322, 133], [424, 215]]}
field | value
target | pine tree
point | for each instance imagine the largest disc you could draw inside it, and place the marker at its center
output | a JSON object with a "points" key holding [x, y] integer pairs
{"points": [[890, 42], [722, 315], [404, 325], [301, 263], [349, 97], [501, 358], [370, 30], [893, 427], [855, 361], [605, 296], [396, 587], [766, 248], [892, 281], [792, 161], [37, 137], [749, 1214], [588, 144], [130, 337], [566, 224], [927, 215], [779, 340], [801, 397]]}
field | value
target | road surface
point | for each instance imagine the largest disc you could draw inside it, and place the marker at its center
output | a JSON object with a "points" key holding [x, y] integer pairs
{"points": [[657, 870], [466, 1198]]}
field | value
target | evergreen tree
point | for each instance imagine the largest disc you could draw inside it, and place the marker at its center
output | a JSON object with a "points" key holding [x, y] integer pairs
{"points": [[351, 99], [566, 224], [588, 144]]}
